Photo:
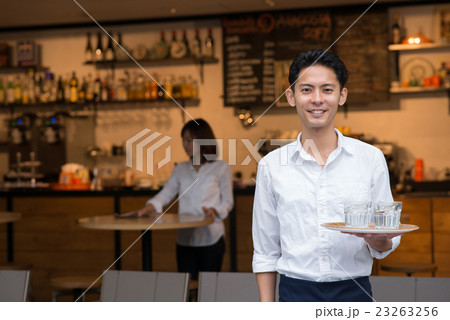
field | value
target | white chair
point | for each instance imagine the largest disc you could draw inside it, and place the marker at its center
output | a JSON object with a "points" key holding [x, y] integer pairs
{"points": [[393, 289], [143, 286], [228, 287], [14, 285], [432, 289]]}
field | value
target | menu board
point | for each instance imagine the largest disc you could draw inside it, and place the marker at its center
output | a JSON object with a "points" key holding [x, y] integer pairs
{"points": [[259, 48], [363, 48]]}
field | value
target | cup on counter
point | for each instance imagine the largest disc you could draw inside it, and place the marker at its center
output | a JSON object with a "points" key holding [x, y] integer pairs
{"points": [[357, 214], [387, 214]]}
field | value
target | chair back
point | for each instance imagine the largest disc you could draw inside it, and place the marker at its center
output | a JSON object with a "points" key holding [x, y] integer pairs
{"points": [[432, 289], [143, 286], [14, 285], [227, 287]]}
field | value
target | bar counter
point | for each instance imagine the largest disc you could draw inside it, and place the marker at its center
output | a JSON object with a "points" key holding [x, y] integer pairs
{"points": [[48, 235]]}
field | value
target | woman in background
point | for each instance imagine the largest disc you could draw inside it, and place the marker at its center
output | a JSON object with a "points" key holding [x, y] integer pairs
{"points": [[205, 184]]}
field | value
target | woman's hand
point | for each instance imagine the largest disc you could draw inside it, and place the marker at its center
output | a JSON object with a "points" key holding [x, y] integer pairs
{"points": [[210, 212], [145, 211]]}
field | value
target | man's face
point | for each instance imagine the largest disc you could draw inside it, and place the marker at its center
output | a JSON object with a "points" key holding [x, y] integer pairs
{"points": [[316, 97]]}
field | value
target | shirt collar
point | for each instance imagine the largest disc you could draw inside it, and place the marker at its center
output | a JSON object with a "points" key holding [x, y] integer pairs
{"points": [[298, 154]]}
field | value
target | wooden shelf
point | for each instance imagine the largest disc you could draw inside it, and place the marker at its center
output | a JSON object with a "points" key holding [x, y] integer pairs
{"points": [[110, 105], [22, 69], [418, 89], [153, 62], [424, 46]]}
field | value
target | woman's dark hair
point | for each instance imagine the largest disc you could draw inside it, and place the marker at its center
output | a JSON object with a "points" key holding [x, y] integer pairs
{"points": [[200, 129], [321, 58]]}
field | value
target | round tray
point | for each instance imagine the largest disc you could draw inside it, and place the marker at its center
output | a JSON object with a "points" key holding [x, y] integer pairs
{"points": [[340, 226]]}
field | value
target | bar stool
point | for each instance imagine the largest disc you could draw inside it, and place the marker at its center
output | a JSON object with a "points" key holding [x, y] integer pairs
{"points": [[409, 267], [73, 286]]}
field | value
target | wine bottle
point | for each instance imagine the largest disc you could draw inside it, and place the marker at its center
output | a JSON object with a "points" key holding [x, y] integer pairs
{"points": [[209, 45], [97, 88], [88, 50], [109, 52], [74, 88], [10, 92], [396, 31], [2, 93], [60, 91], [18, 90], [186, 43], [99, 49], [196, 46], [121, 49]]}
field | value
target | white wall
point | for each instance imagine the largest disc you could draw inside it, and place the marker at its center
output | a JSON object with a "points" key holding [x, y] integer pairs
{"points": [[418, 124]]}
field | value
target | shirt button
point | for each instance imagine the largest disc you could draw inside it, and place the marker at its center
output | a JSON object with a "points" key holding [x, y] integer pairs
{"points": [[324, 259]]}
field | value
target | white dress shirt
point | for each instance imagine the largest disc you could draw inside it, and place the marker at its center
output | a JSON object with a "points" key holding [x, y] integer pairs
{"points": [[212, 189], [294, 196]]}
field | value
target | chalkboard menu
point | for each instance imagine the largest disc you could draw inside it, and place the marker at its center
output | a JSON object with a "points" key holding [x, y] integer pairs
{"points": [[363, 48], [259, 48]]}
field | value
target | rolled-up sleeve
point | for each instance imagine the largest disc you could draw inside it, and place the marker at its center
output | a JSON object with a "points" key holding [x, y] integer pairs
{"points": [[265, 225], [226, 193]]}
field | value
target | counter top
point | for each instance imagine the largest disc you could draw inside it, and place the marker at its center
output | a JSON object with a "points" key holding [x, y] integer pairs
{"points": [[127, 192]]}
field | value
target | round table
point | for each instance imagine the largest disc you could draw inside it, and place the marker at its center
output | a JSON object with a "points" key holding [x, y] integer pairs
{"points": [[9, 218], [164, 221], [6, 217]]}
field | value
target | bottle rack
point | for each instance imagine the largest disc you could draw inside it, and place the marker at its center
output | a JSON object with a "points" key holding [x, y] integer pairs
{"points": [[156, 63]]}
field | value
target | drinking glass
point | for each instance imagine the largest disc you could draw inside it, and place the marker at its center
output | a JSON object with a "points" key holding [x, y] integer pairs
{"points": [[387, 214], [357, 214]]}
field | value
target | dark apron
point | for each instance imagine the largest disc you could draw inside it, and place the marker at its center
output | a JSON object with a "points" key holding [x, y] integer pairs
{"points": [[296, 290]]}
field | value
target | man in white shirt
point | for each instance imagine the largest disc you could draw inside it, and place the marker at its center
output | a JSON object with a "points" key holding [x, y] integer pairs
{"points": [[304, 184]]}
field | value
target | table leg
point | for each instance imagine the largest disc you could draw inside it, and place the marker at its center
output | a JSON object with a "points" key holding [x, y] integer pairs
{"points": [[118, 249], [10, 241], [147, 250]]}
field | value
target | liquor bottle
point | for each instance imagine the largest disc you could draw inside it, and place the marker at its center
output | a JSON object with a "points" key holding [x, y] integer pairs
{"points": [[18, 90], [66, 84], [31, 84], [442, 72], [196, 46], [82, 91], [186, 44], [37, 88], [90, 89], [109, 52], [97, 88], [88, 51], [74, 88], [99, 49], [121, 49], [396, 33], [10, 92], [25, 92], [60, 92], [53, 88], [209, 45], [2, 93]]}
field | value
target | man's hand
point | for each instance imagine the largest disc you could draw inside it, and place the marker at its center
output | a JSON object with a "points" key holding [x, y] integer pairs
{"points": [[210, 212], [377, 241]]}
